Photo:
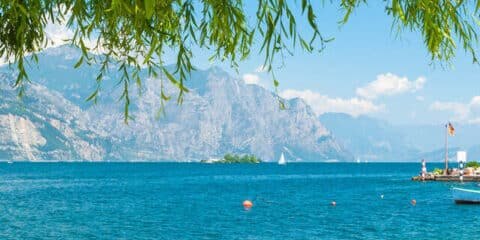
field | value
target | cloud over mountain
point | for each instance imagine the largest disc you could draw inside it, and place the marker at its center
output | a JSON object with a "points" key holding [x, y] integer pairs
{"points": [[463, 112], [390, 84], [323, 103], [250, 78]]}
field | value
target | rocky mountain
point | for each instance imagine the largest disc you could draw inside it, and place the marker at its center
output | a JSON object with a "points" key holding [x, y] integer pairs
{"points": [[219, 115], [370, 139], [43, 125]]}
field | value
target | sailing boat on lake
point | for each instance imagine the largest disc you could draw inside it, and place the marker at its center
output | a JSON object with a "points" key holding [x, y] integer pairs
{"points": [[282, 160]]}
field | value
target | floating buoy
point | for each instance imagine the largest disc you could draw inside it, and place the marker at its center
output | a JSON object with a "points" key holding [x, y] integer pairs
{"points": [[413, 202], [381, 196], [333, 203], [247, 204]]}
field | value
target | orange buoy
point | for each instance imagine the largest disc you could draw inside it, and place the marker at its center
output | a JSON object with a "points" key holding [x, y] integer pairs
{"points": [[413, 202], [333, 203], [247, 204]]}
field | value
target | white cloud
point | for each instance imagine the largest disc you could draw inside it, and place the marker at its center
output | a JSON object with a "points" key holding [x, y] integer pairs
{"points": [[57, 34], [465, 112], [250, 78], [460, 111], [322, 104], [254, 77], [390, 84]]}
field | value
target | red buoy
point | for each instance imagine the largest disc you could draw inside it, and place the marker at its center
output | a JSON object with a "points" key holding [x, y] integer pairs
{"points": [[247, 204]]}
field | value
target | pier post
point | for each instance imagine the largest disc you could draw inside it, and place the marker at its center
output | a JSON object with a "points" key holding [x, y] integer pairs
{"points": [[424, 169], [461, 171], [446, 149], [462, 159]]}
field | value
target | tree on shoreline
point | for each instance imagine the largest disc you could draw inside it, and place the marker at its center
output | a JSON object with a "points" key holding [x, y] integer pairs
{"points": [[134, 34]]}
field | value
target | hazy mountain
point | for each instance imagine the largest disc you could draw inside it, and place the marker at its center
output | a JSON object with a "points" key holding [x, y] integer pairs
{"points": [[369, 139], [430, 137], [473, 153], [219, 115], [43, 125], [438, 155], [376, 140]]}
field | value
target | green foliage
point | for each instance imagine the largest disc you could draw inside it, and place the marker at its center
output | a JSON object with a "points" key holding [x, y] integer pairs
{"points": [[137, 33], [233, 158], [473, 164], [437, 171]]}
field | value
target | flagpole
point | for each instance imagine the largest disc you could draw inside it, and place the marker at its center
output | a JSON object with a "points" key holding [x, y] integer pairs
{"points": [[446, 149]]}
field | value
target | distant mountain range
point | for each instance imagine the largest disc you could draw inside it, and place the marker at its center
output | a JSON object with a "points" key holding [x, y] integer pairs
{"points": [[219, 115], [371, 139]]}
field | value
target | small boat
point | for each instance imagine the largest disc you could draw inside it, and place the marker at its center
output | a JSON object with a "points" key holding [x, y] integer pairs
{"points": [[9, 162], [462, 195], [282, 160]]}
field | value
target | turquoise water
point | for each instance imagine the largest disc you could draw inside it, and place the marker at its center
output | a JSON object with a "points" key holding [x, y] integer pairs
{"points": [[200, 201]]}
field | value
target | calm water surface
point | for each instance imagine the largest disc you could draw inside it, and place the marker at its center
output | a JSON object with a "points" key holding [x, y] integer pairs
{"points": [[200, 201]]}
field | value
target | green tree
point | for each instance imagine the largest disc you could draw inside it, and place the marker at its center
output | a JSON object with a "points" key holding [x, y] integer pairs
{"points": [[473, 164], [229, 157], [235, 158], [136, 33]]}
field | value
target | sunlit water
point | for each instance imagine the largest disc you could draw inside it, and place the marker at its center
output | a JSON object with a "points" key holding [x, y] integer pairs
{"points": [[202, 201]]}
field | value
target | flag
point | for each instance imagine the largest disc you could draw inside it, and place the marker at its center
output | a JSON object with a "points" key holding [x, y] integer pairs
{"points": [[450, 129]]}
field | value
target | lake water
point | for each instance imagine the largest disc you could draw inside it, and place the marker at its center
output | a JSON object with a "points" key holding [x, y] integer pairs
{"points": [[201, 201]]}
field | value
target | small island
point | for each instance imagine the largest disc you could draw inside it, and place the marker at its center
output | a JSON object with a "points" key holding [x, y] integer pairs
{"points": [[234, 158]]}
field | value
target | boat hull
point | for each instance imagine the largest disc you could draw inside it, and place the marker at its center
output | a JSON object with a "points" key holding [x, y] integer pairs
{"points": [[466, 196]]}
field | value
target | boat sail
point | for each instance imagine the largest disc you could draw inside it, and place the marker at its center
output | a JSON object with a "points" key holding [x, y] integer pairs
{"points": [[282, 160]]}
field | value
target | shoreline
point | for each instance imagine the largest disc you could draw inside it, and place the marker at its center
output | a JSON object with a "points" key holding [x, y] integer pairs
{"points": [[447, 178]]}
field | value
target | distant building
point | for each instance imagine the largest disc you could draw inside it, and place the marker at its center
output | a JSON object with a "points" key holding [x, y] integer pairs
{"points": [[211, 160]]}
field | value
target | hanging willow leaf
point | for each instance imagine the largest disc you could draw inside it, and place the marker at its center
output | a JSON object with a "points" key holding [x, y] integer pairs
{"points": [[149, 8], [139, 32], [79, 63]]}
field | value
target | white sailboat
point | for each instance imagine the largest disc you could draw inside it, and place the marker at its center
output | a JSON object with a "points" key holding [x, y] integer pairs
{"points": [[282, 160]]}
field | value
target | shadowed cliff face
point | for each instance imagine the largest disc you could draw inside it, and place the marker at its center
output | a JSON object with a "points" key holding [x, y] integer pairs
{"points": [[220, 115]]}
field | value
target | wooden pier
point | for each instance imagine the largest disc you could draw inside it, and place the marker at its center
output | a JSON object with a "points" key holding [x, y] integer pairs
{"points": [[448, 178]]}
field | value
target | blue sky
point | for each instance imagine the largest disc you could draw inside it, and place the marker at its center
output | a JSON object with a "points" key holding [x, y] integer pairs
{"points": [[364, 49]]}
